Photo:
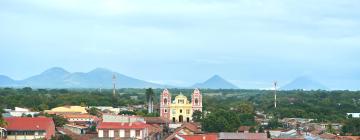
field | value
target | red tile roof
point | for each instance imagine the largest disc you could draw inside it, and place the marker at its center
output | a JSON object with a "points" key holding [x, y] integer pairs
{"points": [[117, 125], [34, 124], [200, 137], [27, 123]]}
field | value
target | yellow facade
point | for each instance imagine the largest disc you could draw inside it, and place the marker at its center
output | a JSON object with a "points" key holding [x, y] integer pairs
{"points": [[181, 109], [67, 109]]}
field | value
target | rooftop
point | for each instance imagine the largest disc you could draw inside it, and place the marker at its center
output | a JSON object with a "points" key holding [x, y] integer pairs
{"points": [[117, 125], [26, 123], [242, 136]]}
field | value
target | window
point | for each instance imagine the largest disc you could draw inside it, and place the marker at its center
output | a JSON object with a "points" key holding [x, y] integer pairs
{"points": [[132, 133], [180, 110], [111, 133], [187, 111], [196, 101], [173, 111], [122, 133], [180, 101], [137, 133], [101, 133], [165, 101], [165, 110]]}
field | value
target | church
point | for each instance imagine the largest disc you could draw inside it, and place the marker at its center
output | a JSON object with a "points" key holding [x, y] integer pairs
{"points": [[181, 109]]}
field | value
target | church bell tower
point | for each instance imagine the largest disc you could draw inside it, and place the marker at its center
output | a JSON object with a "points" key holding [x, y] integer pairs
{"points": [[165, 102]]}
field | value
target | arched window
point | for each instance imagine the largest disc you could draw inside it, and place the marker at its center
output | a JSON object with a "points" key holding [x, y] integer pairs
{"points": [[196, 101], [180, 110], [165, 101]]}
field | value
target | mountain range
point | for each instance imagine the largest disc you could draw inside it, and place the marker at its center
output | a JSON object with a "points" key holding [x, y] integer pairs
{"points": [[215, 82], [57, 77], [304, 83]]}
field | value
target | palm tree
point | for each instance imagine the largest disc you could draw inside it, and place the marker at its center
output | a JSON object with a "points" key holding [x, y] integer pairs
{"points": [[150, 97]]}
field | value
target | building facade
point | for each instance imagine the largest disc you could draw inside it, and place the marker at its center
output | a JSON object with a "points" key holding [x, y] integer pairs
{"points": [[123, 127], [181, 109], [26, 128]]}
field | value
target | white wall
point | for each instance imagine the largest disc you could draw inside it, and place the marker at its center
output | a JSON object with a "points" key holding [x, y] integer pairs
{"points": [[111, 133], [101, 134], [122, 133]]}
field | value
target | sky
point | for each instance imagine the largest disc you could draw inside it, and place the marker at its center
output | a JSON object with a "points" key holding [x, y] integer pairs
{"points": [[181, 42]]}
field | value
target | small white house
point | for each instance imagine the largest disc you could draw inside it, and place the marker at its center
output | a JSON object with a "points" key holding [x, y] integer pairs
{"points": [[354, 115]]}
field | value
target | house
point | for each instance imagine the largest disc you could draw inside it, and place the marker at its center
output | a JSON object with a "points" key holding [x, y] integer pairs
{"points": [[67, 110], [353, 115], [210, 136], [327, 136], [123, 126], [155, 131], [107, 109], [2, 133], [129, 130], [157, 125], [81, 118], [121, 118], [185, 129], [26, 128], [244, 129], [242, 136], [77, 129], [18, 112]]}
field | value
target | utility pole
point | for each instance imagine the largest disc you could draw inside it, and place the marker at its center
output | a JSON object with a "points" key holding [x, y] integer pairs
{"points": [[114, 84], [275, 84]]}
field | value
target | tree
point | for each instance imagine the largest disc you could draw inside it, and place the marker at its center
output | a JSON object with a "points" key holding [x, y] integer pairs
{"points": [[261, 129], [268, 134], [273, 124], [330, 129], [247, 119], [27, 89], [351, 127], [220, 121], [94, 111], [245, 108], [197, 116], [150, 97], [43, 107], [2, 121], [127, 113], [252, 130], [58, 120]]}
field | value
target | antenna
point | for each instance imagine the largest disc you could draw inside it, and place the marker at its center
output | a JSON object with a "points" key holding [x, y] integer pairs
{"points": [[275, 84], [114, 84]]}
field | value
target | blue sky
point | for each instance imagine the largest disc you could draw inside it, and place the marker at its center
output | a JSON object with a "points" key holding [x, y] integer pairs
{"points": [[249, 42]]}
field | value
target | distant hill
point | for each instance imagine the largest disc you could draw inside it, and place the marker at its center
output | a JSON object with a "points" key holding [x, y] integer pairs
{"points": [[6, 81], [215, 82], [59, 78], [304, 83]]}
